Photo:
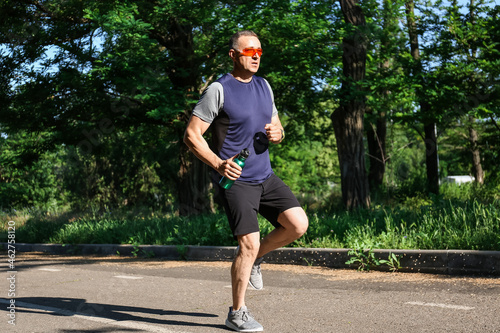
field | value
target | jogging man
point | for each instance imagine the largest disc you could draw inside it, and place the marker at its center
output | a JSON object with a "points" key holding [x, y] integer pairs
{"points": [[239, 108]]}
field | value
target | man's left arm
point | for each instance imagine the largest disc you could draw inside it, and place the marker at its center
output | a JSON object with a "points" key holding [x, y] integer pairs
{"points": [[274, 130]]}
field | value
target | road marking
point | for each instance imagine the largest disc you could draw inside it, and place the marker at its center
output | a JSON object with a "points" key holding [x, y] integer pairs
{"points": [[130, 277], [439, 305], [49, 269], [94, 318]]}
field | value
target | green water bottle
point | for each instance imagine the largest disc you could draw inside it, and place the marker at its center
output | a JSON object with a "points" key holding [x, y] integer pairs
{"points": [[225, 182]]}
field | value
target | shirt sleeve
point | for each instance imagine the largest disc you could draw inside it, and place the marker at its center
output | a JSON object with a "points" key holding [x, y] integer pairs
{"points": [[275, 110], [211, 101]]}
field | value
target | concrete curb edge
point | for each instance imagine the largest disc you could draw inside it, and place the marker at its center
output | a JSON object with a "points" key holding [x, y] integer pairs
{"points": [[423, 261]]}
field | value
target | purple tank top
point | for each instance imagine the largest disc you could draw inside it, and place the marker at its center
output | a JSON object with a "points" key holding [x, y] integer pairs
{"points": [[246, 109]]}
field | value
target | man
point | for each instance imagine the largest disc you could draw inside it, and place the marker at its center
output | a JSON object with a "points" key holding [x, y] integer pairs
{"points": [[240, 109]]}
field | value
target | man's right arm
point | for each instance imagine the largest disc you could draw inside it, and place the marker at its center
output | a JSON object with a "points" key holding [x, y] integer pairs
{"points": [[193, 138]]}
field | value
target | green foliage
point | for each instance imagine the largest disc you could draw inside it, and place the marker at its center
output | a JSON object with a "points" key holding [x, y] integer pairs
{"points": [[444, 223], [126, 170], [95, 95], [387, 83], [413, 224], [393, 262], [111, 84], [405, 170], [364, 259], [182, 250], [307, 160], [118, 228], [449, 226], [29, 178]]}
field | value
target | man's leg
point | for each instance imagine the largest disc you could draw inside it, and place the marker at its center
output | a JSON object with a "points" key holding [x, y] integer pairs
{"points": [[238, 318], [294, 224], [242, 265]]}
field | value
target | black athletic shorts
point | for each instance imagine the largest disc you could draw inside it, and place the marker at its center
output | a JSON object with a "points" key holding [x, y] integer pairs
{"points": [[243, 201]]}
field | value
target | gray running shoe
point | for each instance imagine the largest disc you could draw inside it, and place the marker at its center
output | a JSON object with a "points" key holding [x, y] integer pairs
{"points": [[242, 321], [256, 275]]}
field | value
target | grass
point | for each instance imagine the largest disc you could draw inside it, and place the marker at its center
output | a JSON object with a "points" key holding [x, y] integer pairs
{"points": [[469, 225], [201, 230], [439, 224]]}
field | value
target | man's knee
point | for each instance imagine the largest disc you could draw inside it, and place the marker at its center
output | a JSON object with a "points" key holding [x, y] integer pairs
{"points": [[301, 226], [295, 221], [249, 244]]}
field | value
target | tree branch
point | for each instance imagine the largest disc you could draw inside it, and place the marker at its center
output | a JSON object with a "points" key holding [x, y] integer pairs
{"points": [[494, 122]]}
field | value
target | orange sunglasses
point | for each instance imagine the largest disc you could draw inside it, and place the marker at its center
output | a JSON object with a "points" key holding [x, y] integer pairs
{"points": [[250, 52]]}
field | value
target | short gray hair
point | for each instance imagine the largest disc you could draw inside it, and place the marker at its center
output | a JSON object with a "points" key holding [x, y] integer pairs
{"points": [[233, 42]]}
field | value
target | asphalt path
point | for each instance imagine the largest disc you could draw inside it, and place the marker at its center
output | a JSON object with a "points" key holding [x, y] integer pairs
{"points": [[113, 294]]}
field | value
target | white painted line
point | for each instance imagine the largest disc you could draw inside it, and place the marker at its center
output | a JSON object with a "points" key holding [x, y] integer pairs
{"points": [[94, 318], [130, 277], [445, 306], [49, 269]]}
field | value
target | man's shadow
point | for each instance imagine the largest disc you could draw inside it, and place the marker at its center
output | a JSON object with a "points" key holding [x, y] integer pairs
{"points": [[58, 306]]}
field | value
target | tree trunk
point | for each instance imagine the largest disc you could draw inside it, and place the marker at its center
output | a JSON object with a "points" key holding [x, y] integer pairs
{"points": [[348, 117], [477, 168], [194, 185], [194, 182], [431, 152]]}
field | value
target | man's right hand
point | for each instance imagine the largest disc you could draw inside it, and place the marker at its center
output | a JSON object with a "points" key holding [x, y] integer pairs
{"points": [[230, 169]]}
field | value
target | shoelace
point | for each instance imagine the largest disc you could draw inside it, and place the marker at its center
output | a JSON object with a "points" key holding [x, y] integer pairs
{"points": [[246, 315]]}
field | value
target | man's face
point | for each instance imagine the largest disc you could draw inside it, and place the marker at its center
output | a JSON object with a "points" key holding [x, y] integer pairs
{"points": [[243, 62]]}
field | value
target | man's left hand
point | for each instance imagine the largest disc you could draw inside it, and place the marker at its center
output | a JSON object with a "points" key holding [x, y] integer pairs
{"points": [[274, 133]]}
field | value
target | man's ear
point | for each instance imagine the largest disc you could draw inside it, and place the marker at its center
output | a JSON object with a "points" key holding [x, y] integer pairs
{"points": [[232, 54]]}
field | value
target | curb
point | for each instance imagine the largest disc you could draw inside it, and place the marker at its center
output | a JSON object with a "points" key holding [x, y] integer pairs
{"points": [[419, 261]]}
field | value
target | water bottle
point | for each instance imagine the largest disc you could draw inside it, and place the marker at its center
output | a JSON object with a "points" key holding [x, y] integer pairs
{"points": [[225, 182]]}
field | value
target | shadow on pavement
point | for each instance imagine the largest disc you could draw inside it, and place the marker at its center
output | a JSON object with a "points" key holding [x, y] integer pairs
{"points": [[25, 262], [57, 306], [101, 330]]}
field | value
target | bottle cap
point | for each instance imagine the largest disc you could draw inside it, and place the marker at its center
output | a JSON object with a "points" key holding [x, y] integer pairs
{"points": [[244, 153]]}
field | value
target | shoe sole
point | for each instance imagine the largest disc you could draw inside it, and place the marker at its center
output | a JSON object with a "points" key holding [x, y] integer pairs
{"points": [[235, 328]]}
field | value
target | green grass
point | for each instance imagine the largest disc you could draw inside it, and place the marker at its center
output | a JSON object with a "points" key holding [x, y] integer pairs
{"points": [[201, 230], [417, 224], [464, 225]]}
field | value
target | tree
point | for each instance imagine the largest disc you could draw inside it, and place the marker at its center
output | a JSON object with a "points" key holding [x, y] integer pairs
{"points": [[118, 72], [468, 38], [301, 61], [466, 74], [426, 111], [473, 133], [386, 82], [144, 75], [348, 117]]}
